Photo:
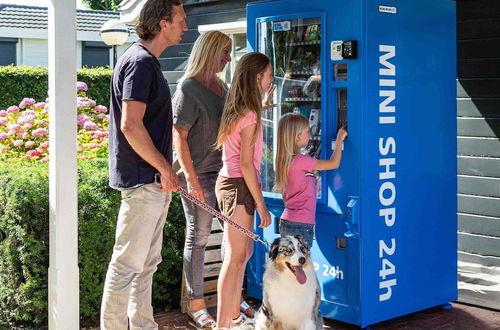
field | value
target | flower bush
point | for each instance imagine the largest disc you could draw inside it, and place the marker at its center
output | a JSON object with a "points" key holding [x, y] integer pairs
{"points": [[24, 129]]}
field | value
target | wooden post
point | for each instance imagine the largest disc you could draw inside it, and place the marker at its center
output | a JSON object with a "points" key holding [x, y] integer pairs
{"points": [[63, 217]]}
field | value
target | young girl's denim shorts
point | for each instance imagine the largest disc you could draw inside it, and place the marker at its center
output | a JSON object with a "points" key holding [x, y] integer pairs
{"points": [[293, 228]]}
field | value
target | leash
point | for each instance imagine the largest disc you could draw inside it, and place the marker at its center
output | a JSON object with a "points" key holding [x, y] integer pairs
{"points": [[222, 217]]}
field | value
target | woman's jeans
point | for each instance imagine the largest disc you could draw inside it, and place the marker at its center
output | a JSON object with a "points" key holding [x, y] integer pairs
{"points": [[297, 228], [198, 228]]}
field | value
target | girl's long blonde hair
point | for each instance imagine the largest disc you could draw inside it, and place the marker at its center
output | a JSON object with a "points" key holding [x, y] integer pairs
{"points": [[244, 95], [204, 62], [289, 128]]}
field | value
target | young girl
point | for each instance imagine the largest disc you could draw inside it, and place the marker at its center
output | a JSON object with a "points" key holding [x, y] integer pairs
{"points": [[238, 189], [294, 175]]}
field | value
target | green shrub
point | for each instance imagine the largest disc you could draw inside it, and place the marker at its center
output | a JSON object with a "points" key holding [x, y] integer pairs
{"points": [[19, 82], [25, 251]]}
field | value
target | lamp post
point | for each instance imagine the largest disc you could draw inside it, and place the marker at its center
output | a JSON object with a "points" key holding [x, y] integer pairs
{"points": [[114, 33]]}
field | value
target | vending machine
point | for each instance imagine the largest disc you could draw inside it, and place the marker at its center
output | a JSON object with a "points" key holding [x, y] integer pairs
{"points": [[386, 221]]}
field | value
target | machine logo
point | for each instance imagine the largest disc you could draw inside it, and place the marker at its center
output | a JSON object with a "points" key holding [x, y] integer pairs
{"points": [[387, 171], [387, 9]]}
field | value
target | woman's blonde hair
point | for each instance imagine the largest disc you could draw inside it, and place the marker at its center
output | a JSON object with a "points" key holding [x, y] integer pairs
{"points": [[289, 128], [244, 95], [203, 61]]}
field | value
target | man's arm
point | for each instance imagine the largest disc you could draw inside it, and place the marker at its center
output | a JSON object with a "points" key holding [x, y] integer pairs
{"points": [[138, 137]]}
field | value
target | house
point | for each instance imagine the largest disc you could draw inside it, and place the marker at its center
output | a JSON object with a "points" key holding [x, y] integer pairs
{"points": [[478, 122], [23, 36]]}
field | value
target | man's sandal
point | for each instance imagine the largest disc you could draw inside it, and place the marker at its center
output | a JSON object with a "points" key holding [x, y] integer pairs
{"points": [[248, 310], [201, 319]]}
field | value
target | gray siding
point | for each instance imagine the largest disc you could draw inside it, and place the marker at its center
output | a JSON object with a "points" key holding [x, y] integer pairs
{"points": [[478, 121], [173, 60]]}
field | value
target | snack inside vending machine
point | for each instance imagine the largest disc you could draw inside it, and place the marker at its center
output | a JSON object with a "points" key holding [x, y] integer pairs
{"points": [[386, 231]]}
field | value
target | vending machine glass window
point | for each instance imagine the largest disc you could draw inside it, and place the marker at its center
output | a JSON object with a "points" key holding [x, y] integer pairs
{"points": [[294, 47]]}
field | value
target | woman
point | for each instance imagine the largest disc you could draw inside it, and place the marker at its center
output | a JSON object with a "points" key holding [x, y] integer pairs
{"points": [[197, 107]]}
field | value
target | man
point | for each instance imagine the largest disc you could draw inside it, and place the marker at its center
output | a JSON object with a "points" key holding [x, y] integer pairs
{"points": [[140, 158]]}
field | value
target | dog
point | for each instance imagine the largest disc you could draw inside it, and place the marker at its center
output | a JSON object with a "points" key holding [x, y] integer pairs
{"points": [[291, 289]]}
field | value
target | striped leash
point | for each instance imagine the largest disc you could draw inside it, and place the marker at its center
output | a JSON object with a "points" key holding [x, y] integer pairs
{"points": [[222, 217]]}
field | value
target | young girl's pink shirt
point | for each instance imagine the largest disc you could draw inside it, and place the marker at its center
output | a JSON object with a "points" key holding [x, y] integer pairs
{"points": [[299, 194], [231, 148]]}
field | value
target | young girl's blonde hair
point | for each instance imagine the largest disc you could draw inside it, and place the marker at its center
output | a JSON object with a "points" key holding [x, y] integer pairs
{"points": [[203, 61], [244, 95], [289, 128]]}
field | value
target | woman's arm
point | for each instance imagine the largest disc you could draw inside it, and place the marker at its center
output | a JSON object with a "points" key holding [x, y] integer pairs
{"points": [[184, 156], [250, 174]]}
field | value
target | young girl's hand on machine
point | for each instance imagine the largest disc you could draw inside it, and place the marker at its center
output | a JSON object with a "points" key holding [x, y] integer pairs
{"points": [[341, 134]]}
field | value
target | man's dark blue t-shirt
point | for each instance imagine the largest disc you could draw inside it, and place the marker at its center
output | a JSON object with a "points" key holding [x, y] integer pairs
{"points": [[137, 76]]}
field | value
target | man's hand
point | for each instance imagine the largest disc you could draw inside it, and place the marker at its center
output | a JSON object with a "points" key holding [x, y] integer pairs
{"points": [[169, 181]]}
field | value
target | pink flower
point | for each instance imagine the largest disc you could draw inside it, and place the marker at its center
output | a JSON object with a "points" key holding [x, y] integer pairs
{"points": [[17, 143], [25, 102], [100, 134], [3, 121], [100, 108], [40, 122], [39, 106], [101, 116], [45, 160], [34, 153], [3, 113], [92, 103], [25, 135], [79, 149], [4, 148], [90, 125], [28, 113], [28, 119], [44, 145], [81, 119], [3, 136], [14, 127], [40, 132], [29, 144], [83, 103], [27, 126], [12, 109], [81, 86]]}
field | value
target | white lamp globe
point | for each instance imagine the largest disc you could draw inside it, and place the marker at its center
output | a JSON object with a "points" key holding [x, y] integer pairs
{"points": [[114, 33]]}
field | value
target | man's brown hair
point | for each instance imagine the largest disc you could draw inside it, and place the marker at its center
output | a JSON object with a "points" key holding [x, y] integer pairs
{"points": [[151, 14]]}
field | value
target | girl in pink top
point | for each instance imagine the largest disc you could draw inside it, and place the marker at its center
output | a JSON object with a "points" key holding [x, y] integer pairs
{"points": [[294, 177], [238, 189]]}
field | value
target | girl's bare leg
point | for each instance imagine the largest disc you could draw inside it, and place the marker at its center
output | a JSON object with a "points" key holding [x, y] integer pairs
{"points": [[233, 267]]}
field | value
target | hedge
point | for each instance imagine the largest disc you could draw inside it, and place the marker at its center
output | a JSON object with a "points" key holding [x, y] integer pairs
{"points": [[24, 245], [19, 82]]}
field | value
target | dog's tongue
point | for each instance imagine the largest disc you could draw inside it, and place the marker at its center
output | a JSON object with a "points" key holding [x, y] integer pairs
{"points": [[299, 274]]}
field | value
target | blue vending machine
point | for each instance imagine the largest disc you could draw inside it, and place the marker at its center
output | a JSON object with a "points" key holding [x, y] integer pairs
{"points": [[386, 231]]}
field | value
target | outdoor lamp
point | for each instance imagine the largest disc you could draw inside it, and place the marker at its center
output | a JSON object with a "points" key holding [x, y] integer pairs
{"points": [[114, 33]]}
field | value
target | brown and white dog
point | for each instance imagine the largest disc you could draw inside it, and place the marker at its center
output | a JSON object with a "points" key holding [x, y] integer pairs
{"points": [[291, 289]]}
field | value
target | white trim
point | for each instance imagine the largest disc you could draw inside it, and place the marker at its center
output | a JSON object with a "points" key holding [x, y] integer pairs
{"points": [[227, 28], [64, 309], [43, 34]]}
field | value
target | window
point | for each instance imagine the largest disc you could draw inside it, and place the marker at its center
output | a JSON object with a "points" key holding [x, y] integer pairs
{"points": [[8, 51], [237, 31], [95, 54]]}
